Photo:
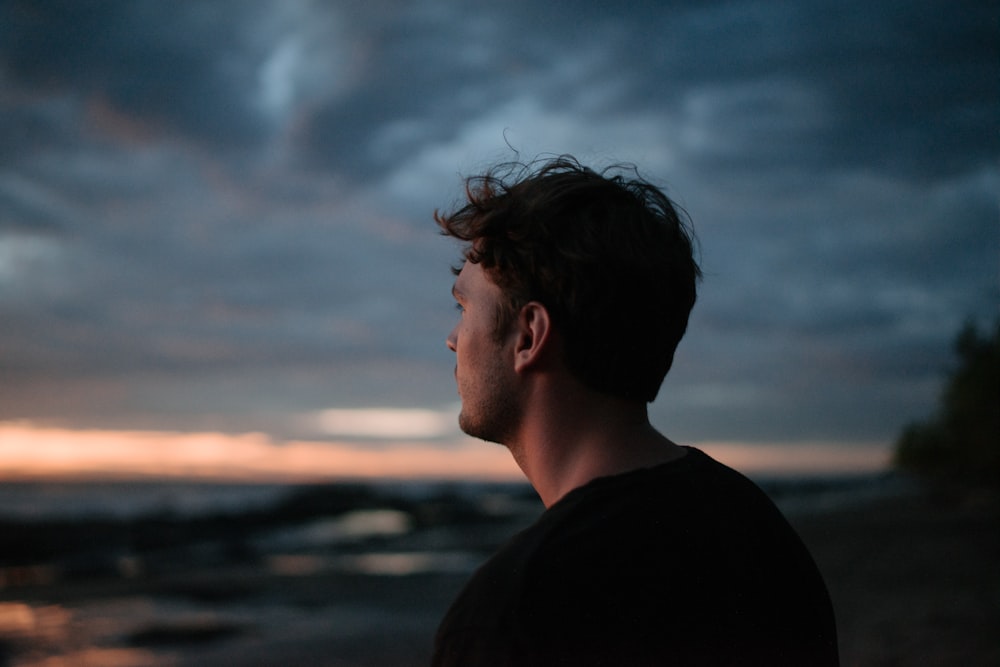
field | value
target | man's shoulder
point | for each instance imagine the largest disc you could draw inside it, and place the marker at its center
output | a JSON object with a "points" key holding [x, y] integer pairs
{"points": [[689, 490], [664, 527], [644, 523], [693, 547]]}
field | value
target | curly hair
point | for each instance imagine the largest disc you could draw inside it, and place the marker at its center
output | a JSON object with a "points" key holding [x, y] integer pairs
{"points": [[607, 255]]}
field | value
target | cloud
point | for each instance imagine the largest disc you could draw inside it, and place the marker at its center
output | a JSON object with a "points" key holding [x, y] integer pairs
{"points": [[752, 123], [216, 215], [385, 423]]}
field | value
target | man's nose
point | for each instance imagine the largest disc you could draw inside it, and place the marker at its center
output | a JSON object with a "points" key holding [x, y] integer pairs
{"points": [[451, 340]]}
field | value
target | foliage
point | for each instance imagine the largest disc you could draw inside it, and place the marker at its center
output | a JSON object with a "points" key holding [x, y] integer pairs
{"points": [[961, 442]]}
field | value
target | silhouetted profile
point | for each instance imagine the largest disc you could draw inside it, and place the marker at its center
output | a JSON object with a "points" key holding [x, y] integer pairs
{"points": [[575, 290]]}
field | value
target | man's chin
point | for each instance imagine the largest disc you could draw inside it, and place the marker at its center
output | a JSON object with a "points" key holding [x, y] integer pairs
{"points": [[474, 430]]}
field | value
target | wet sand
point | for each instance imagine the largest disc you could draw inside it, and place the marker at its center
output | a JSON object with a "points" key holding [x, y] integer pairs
{"points": [[914, 581]]}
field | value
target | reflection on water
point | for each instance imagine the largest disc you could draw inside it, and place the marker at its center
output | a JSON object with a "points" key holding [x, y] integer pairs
{"points": [[375, 563], [410, 563], [51, 635], [19, 620], [352, 526], [296, 565], [344, 567], [305, 550]]}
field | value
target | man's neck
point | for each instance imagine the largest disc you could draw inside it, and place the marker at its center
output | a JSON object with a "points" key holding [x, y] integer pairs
{"points": [[566, 443]]}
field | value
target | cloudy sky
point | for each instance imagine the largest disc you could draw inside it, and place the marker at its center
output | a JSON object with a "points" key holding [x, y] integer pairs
{"points": [[215, 217]]}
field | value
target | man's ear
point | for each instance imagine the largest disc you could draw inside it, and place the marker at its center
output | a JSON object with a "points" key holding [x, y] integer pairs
{"points": [[534, 334]]}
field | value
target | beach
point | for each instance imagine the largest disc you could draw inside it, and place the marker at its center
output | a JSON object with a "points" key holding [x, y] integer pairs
{"points": [[913, 579]]}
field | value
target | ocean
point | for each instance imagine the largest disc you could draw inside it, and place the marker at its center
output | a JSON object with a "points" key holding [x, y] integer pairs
{"points": [[87, 500], [186, 573]]}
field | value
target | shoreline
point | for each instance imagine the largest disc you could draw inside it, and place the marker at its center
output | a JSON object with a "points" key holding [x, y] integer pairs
{"points": [[912, 578]]}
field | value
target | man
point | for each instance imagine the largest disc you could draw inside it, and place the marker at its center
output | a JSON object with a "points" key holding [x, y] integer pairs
{"points": [[575, 290]]}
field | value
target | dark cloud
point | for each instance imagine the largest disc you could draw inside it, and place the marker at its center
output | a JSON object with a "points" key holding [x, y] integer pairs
{"points": [[183, 66], [909, 86], [224, 208]]}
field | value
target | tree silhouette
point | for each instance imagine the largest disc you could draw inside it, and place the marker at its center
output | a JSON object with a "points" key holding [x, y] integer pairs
{"points": [[961, 442]]}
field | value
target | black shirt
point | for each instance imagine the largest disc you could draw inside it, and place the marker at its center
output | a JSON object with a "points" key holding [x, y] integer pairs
{"points": [[686, 563]]}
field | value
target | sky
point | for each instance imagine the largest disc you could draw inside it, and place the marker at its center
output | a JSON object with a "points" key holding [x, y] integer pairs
{"points": [[216, 217]]}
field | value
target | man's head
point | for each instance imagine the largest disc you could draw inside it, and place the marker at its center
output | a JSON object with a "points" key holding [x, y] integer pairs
{"points": [[608, 256]]}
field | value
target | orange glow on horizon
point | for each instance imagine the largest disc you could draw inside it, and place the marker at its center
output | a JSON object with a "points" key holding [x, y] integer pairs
{"points": [[28, 451]]}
